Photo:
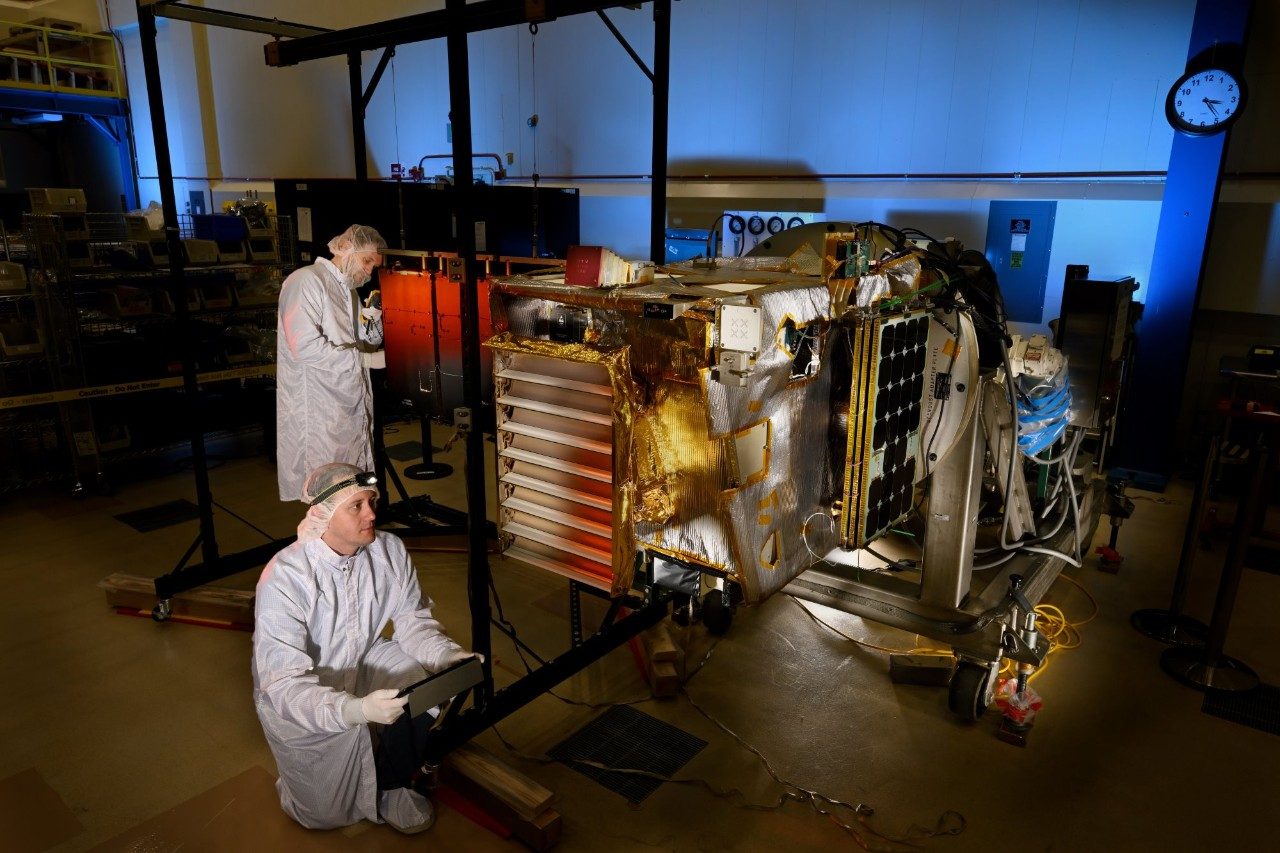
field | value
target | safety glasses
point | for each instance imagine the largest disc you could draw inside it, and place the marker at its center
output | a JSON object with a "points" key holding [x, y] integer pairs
{"points": [[366, 479]]}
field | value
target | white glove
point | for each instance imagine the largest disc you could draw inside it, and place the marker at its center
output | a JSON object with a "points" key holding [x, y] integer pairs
{"points": [[458, 655], [380, 706], [371, 315]]}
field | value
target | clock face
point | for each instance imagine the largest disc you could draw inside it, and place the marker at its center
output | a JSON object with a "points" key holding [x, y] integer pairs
{"points": [[1204, 102]]}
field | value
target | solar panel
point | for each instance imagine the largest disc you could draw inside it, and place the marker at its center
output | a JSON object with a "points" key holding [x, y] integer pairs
{"points": [[890, 357]]}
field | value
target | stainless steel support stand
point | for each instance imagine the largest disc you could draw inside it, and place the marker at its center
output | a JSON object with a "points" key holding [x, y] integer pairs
{"points": [[1208, 668], [952, 523], [1171, 626]]}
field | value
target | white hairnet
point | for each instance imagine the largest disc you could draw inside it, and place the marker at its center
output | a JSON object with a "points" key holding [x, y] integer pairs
{"points": [[357, 238], [316, 521], [347, 248]]}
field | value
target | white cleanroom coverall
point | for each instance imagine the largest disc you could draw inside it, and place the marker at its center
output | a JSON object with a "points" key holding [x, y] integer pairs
{"points": [[324, 401], [316, 648]]}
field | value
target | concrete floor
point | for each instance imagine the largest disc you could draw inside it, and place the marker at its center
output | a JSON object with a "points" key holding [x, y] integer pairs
{"points": [[127, 734]]}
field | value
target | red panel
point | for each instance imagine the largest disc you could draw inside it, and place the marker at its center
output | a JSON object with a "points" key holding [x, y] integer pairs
{"points": [[409, 337], [424, 348]]}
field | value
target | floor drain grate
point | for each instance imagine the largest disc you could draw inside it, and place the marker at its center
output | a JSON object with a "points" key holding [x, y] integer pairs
{"points": [[626, 738], [1258, 708], [161, 515]]}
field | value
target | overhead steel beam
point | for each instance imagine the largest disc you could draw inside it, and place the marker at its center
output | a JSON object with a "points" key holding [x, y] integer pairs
{"points": [[626, 45], [104, 127], [236, 21], [474, 17], [387, 56]]}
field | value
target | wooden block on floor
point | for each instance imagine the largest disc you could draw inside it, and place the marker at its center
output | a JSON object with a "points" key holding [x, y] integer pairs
{"points": [[659, 644], [664, 679], [206, 602], [659, 647], [513, 798], [523, 795]]}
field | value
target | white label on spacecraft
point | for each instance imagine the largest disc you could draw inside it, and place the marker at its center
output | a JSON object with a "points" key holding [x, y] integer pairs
{"points": [[740, 328]]}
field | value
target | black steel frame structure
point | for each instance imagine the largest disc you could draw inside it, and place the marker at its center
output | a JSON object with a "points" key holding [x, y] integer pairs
{"points": [[296, 43]]}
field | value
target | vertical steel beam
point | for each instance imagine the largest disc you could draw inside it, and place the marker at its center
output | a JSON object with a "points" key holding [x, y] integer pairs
{"points": [[1177, 268], [177, 279], [124, 150], [478, 570], [661, 100], [359, 149]]}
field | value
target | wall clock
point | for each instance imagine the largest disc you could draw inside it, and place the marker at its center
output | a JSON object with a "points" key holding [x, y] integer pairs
{"points": [[1204, 102]]}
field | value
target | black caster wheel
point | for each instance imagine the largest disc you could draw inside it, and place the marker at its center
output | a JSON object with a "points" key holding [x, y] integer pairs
{"points": [[717, 612], [971, 691], [162, 611]]}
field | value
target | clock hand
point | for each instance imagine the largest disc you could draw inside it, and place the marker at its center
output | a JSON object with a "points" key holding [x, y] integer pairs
{"points": [[1208, 103]]}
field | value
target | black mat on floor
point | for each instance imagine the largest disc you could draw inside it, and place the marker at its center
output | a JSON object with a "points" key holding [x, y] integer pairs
{"points": [[1262, 558], [407, 451], [155, 517], [1258, 708], [626, 738]]}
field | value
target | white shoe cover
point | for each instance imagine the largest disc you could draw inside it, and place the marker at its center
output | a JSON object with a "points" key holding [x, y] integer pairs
{"points": [[406, 810]]}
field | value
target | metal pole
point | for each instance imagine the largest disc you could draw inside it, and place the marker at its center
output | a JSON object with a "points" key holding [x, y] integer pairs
{"points": [[1208, 668], [357, 117], [1229, 585], [478, 572], [661, 99], [515, 696], [177, 281], [1171, 626]]}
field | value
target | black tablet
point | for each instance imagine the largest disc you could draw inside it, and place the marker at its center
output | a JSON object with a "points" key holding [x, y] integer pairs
{"points": [[441, 686]]}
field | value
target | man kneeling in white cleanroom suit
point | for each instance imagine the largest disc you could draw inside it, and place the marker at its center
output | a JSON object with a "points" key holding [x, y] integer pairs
{"points": [[321, 670]]}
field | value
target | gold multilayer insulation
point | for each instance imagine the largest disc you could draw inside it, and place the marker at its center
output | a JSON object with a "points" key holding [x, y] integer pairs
{"points": [[721, 476], [565, 480]]}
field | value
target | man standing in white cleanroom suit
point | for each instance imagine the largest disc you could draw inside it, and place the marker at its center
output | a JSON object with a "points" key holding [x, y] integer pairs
{"points": [[321, 671], [324, 401]]}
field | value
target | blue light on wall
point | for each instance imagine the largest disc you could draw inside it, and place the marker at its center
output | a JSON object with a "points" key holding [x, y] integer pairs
{"points": [[1191, 190]]}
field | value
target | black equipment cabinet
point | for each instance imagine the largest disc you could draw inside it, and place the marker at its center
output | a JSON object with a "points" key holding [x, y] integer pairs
{"points": [[421, 215], [1096, 331]]}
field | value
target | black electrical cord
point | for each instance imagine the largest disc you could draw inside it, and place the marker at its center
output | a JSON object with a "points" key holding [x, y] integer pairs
{"points": [[937, 426], [736, 227], [709, 248], [509, 629], [894, 565], [950, 822]]}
